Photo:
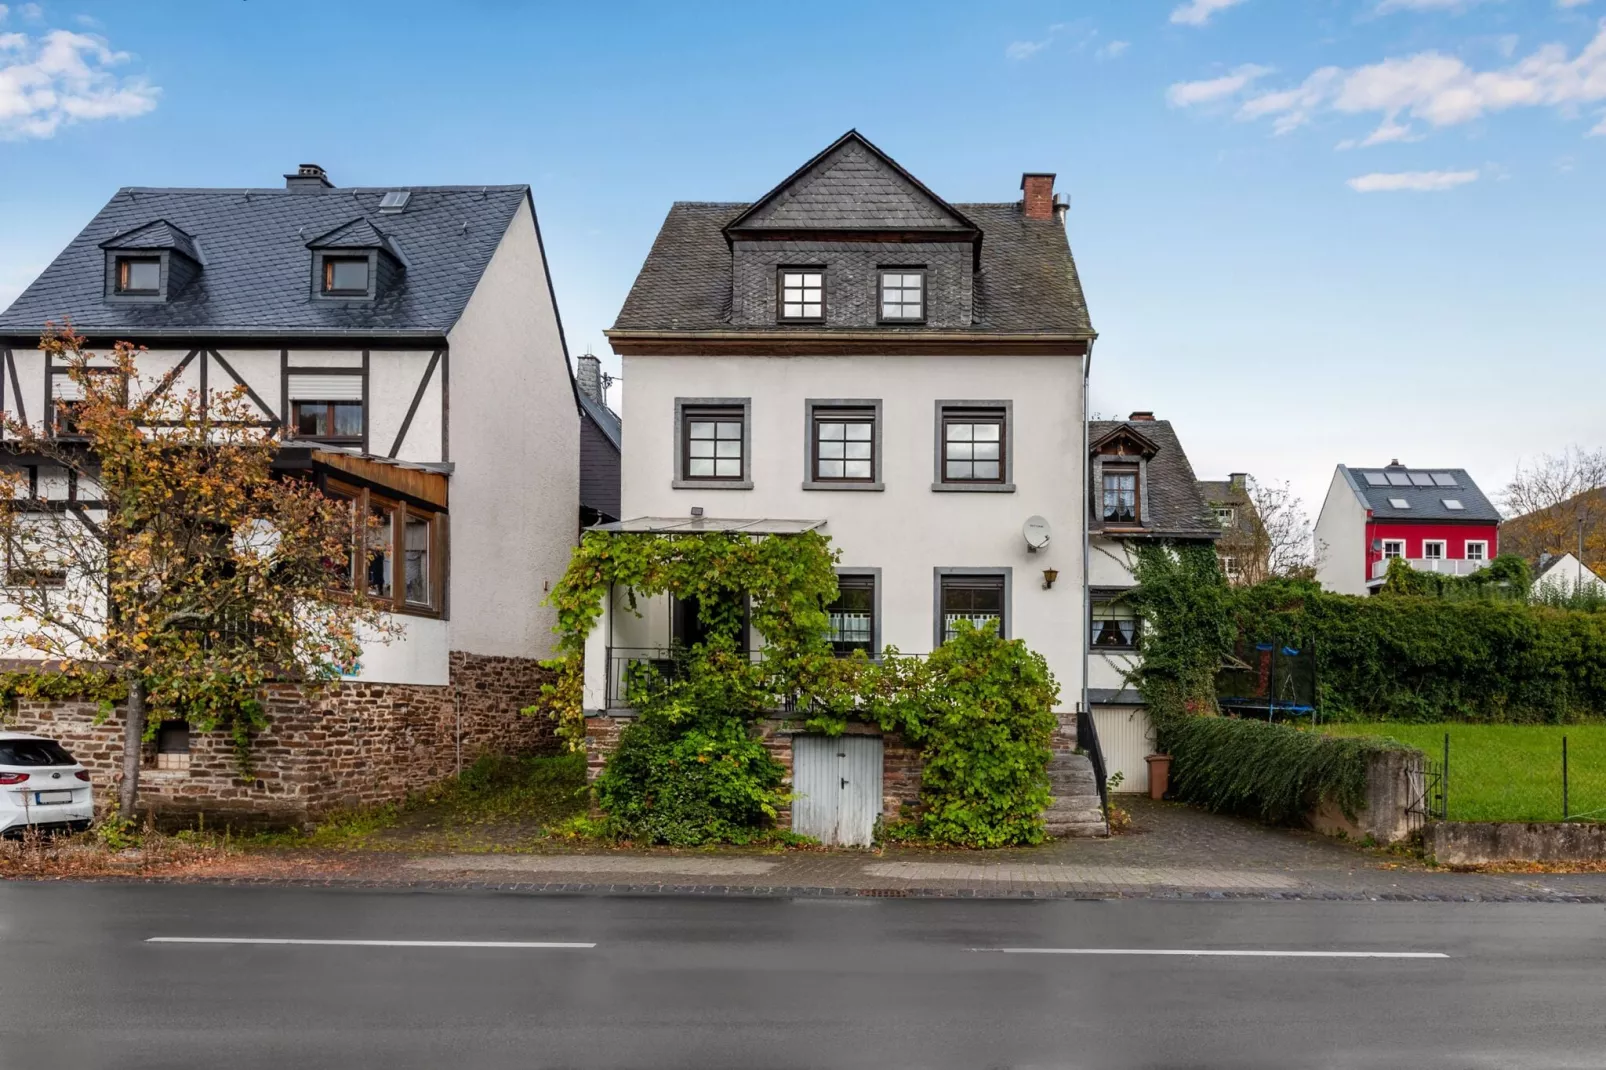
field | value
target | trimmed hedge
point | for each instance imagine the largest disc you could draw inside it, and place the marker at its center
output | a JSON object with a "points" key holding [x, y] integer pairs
{"points": [[1424, 659], [1264, 770]]}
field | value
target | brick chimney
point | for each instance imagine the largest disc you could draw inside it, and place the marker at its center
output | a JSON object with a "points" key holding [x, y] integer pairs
{"points": [[1037, 201], [1141, 416], [308, 178], [588, 376]]}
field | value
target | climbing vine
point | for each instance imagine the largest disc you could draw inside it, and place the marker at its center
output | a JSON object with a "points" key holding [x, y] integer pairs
{"points": [[688, 769]]}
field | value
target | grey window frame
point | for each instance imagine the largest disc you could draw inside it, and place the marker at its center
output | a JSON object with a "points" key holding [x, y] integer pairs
{"points": [[680, 481], [1006, 485], [319, 256], [115, 257], [1103, 596], [781, 271], [868, 407], [1006, 572], [882, 271], [874, 575]]}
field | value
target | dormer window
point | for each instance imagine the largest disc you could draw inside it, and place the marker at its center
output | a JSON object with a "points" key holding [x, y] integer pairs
{"points": [[1121, 494], [903, 295], [139, 276], [345, 276], [802, 293]]}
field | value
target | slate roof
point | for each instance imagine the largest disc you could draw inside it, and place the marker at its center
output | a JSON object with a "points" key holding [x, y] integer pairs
{"points": [[258, 269], [1027, 284], [359, 233], [1421, 502], [1174, 504], [852, 185], [157, 235], [606, 419]]}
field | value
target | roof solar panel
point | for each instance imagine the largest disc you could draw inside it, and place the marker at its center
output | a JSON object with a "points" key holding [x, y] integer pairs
{"points": [[1421, 479], [1399, 503], [1399, 479], [1453, 503], [1375, 479], [1444, 479]]}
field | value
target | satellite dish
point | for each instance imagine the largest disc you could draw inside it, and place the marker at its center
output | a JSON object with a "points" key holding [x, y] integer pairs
{"points": [[1036, 533]]}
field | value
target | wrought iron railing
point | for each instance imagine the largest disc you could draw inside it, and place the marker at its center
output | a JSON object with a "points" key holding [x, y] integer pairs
{"points": [[1087, 741]]}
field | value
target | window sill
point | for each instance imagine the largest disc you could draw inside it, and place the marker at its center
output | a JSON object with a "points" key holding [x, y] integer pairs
{"points": [[845, 484], [1112, 650], [712, 484], [974, 488]]}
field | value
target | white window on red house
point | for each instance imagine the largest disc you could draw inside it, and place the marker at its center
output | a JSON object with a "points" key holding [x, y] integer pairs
{"points": [[1477, 551], [1393, 548], [1433, 549]]}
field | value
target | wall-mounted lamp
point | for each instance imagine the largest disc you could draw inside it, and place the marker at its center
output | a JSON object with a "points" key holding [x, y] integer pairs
{"points": [[1049, 576]]}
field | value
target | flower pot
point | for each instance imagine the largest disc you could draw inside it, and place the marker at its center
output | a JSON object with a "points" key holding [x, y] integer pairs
{"points": [[1159, 774]]}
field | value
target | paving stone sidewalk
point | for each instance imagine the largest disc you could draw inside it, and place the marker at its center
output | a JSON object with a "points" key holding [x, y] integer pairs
{"points": [[1174, 851]]}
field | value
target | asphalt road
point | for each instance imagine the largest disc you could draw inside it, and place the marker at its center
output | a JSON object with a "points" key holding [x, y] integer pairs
{"points": [[750, 983]]}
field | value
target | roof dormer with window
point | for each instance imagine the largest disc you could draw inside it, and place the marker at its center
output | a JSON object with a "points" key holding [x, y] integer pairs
{"points": [[153, 262], [1120, 460], [355, 262]]}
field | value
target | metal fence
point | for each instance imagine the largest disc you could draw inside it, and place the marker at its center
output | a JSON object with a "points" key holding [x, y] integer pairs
{"points": [[1516, 773]]}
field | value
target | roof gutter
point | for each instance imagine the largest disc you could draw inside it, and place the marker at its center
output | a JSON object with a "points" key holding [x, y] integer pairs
{"points": [[630, 335]]}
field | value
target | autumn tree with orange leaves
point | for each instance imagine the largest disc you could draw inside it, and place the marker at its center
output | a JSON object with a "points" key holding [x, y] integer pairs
{"points": [[149, 540]]}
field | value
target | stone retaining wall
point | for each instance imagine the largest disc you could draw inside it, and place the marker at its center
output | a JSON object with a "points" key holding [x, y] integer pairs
{"points": [[1472, 843], [356, 744], [1395, 786]]}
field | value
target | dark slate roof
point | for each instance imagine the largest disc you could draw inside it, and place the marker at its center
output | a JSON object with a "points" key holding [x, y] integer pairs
{"points": [[359, 233], [852, 185], [1027, 284], [1175, 506], [1422, 502], [1222, 490], [156, 235], [257, 276], [606, 419]]}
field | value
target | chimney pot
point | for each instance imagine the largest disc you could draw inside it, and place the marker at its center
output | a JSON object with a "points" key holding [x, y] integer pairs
{"points": [[1037, 201], [1141, 416], [308, 178], [588, 376]]}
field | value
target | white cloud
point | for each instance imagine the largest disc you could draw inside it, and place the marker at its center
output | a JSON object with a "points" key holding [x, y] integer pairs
{"points": [[61, 78], [1209, 90], [1113, 50], [1198, 12], [1429, 87], [1019, 50], [1411, 181]]}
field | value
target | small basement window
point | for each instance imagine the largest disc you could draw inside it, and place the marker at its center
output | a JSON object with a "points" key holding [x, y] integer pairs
{"points": [[173, 745], [139, 275], [345, 275]]}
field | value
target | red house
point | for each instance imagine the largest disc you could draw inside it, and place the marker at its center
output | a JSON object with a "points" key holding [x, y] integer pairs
{"points": [[1435, 518]]}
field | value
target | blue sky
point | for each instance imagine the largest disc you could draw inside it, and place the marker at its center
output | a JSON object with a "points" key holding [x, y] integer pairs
{"points": [[1311, 231]]}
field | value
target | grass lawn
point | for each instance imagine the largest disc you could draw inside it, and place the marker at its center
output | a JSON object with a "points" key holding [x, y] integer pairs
{"points": [[1501, 772]]}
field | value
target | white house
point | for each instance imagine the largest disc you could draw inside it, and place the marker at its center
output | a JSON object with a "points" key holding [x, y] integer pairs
{"points": [[407, 341], [852, 353], [1144, 491], [1564, 575]]}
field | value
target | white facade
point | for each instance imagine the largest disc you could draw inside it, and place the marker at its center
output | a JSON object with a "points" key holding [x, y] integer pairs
{"points": [[907, 530], [1566, 575], [1341, 539], [491, 408]]}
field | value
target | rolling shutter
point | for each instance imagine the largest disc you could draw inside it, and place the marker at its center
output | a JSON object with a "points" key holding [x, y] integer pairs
{"points": [[64, 389], [325, 388]]}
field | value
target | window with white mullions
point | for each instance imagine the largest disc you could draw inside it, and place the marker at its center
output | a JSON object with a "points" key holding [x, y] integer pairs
{"points": [[713, 444], [852, 615], [1115, 625], [1120, 495], [802, 294], [844, 446], [903, 295], [973, 448]]}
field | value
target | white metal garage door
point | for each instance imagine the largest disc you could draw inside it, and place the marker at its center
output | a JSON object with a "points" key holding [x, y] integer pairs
{"points": [[838, 787], [1126, 738]]}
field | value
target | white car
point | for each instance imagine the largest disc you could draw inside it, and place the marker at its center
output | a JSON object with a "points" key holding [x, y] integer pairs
{"points": [[41, 785]]}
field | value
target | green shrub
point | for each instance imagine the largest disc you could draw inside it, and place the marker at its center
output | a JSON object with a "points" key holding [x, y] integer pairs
{"points": [[1269, 771]]}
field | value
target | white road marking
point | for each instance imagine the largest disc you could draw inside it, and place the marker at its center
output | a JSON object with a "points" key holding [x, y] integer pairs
{"points": [[362, 943], [1190, 952]]}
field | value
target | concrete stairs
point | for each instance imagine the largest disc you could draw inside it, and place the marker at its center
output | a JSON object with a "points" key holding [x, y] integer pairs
{"points": [[1075, 810]]}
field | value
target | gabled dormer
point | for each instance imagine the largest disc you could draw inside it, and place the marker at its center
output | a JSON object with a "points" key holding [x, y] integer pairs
{"points": [[152, 263], [1120, 460], [355, 262], [852, 240]]}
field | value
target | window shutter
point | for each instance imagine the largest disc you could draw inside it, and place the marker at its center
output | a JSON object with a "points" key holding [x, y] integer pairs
{"points": [[64, 389], [325, 388]]}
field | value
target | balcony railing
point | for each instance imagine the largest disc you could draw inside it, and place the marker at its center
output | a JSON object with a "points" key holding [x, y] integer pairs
{"points": [[1446, 566]]}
